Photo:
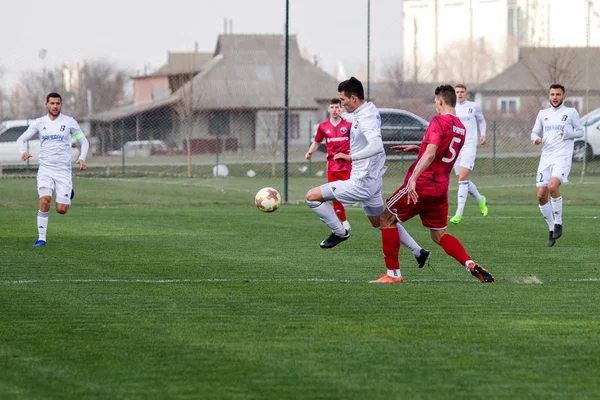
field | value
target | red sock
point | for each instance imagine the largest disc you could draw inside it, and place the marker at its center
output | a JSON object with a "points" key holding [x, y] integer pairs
{"points": [[390, 243], [454, 248], [340, 211]]}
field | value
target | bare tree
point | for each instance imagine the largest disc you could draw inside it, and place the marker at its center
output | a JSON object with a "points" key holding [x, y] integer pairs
{"points": [[272, 122], [467, 65]]}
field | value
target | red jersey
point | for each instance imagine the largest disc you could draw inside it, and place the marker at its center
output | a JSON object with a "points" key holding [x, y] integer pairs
{"points": [[337, 140], [448, 133]]}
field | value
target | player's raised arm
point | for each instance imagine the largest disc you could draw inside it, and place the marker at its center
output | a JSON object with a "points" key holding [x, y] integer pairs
{"points": [[576, 130], [537, 129], [28, 134]]}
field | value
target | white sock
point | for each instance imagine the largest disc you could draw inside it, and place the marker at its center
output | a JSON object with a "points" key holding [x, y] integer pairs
{"points": [[327, 214], [394, 273], [467, 264], [463, 189], [42, 223], [546, 210], [408, 241], [474, 192], [557, 207]]}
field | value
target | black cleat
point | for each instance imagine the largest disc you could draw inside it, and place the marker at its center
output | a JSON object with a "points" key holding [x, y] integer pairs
{"points": [[333, 240], [481, 273], [423, 257], [551, 239], [557, 231], [72, 194]]}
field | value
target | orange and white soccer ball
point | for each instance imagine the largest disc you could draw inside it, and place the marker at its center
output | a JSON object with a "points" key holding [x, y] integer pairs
{"points": [[267, 199]]}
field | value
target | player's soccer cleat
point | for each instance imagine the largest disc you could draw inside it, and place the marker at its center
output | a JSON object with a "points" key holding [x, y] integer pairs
{"points": [[423, 257], [40, 243], [72, 194], [456, 219], [480, 273], [385, 278], [346, 225], [483, 207], [551, 239], [333, 240], [557, 231]]}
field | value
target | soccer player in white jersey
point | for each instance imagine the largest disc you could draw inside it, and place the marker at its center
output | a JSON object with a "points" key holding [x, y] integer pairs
{"points": [[364, 186], [471, 116], [555, 128], [54, 172]]}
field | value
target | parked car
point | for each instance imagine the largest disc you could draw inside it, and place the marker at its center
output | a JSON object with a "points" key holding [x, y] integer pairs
{"points": [[9, 150], [398, 127], [591, 149], [142, 148]]}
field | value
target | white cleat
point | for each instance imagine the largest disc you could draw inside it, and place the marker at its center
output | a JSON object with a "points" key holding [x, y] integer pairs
{"points": [[346, 225]]}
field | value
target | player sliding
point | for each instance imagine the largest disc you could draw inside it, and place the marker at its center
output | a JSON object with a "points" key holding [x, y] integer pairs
{"points": [[54, 172], [471, 116], [425, 190], [558, 125], [368, 158]]}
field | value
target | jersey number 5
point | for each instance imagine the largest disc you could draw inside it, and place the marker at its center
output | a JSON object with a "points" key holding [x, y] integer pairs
{"points": [[452, 150]]}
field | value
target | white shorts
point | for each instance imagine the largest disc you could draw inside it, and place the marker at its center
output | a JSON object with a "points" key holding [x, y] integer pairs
{"points": [[465, 159], [365, 192], [552, 169], [58, 182]]}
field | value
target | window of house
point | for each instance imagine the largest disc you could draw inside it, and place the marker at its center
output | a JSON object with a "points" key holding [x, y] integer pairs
{"points": [[508, 105], [575, 102], [293, 126], [218, 123]]}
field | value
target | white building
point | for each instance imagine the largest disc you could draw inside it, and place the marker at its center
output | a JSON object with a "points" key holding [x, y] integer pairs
{"points": [[472, 40]]}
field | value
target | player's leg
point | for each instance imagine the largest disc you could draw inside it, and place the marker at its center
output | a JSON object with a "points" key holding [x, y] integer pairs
{"points": [[316, 198], [45, 186], [340, 211], [560, 174], [63, 189], [542, 181], [473, 191], [421, 254], [434, 214]]}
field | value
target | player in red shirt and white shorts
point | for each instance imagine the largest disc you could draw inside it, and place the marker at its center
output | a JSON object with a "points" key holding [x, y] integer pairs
{"points": [[425, 190], [336, 133]]}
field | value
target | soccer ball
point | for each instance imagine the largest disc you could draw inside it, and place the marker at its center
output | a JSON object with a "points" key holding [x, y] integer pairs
{"points": [[267, 199]]}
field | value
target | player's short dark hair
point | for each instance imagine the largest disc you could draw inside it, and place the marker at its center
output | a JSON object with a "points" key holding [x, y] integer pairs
{"points": [[335, 100], [351, 87], [460, 85], [557, 86], [447, 93], [53, 95]]}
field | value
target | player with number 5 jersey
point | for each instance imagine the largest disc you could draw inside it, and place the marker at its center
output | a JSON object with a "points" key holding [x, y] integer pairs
{"points": [[425, 190]]}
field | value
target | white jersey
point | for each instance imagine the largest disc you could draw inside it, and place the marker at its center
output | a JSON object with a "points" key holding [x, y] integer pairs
{"points": [[471, 116], [55, 140], [548, 127], [366, 146]]}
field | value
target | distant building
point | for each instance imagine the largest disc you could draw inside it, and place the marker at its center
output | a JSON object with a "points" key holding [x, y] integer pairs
{"points": [[472, 40], [236, 94]]}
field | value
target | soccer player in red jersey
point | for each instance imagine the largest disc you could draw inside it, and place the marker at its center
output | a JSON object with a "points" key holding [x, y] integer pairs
{"points": [[336, 133], [425, 190]]}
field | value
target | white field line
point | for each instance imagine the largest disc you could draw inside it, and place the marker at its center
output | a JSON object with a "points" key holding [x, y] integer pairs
{"points": [[517, 280]]}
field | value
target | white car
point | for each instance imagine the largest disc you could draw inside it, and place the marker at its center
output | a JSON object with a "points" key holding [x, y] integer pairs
{"points": [[591, 147], [9, 150]]}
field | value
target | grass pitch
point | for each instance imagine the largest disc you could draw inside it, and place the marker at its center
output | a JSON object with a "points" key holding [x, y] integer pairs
{"points": [[182, 289]]}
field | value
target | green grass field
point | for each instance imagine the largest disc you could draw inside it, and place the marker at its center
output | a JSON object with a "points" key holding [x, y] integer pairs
{"points": [[156, 288]]}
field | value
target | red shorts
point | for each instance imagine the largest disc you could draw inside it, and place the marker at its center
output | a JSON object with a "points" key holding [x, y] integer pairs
{"points": [[333, 176], [432, 210]]}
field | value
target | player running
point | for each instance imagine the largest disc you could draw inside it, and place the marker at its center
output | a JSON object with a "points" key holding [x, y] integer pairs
{"points": [[558, 126], [336, 133], [365, 183], [471, 116], [425, 190], [54, 172]]}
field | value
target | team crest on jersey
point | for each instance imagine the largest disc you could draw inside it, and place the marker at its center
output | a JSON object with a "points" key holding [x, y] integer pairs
{"points": [[564, 118], [62, 128], [343, 130], [470, 111]]}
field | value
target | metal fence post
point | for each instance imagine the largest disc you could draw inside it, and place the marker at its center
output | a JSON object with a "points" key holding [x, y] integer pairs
{"points": [[494, 147], [309, 144], [123, 146]]}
